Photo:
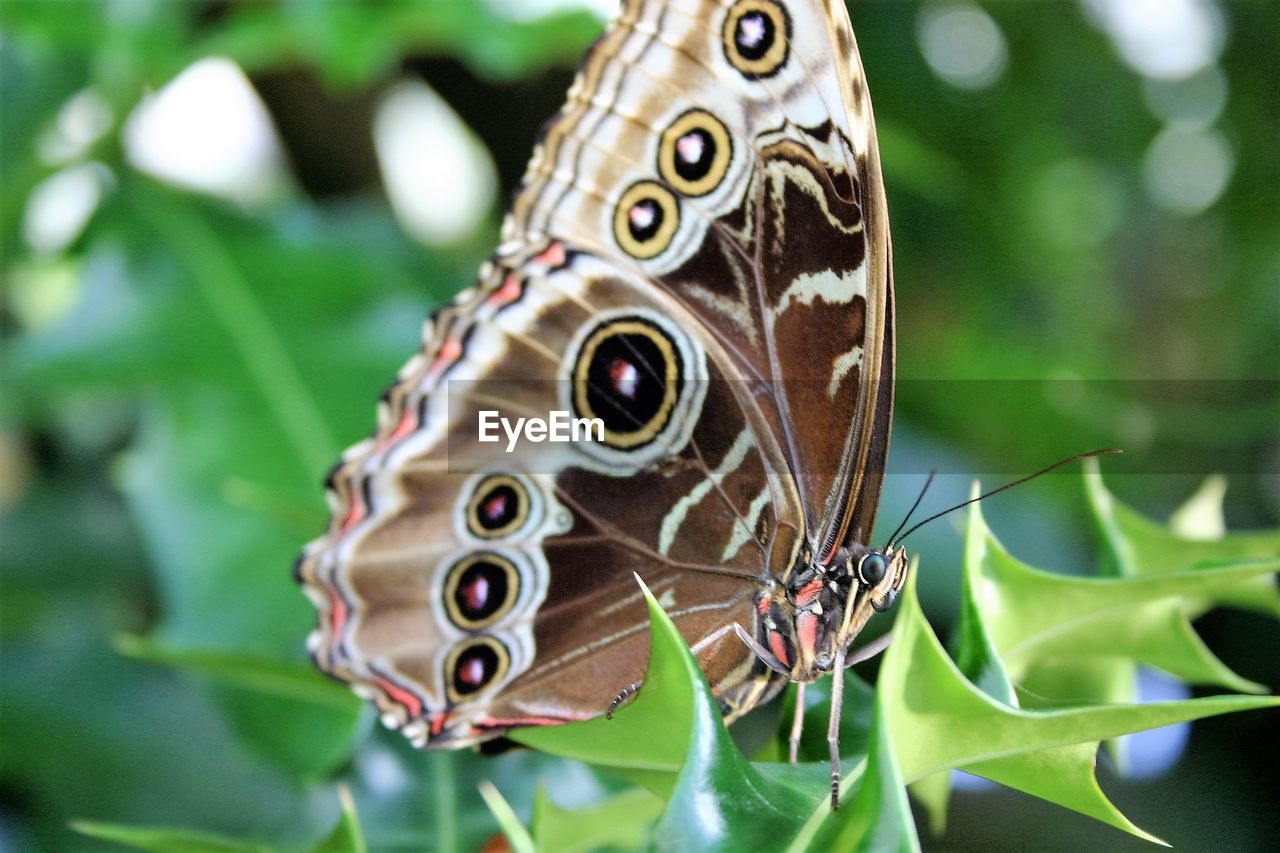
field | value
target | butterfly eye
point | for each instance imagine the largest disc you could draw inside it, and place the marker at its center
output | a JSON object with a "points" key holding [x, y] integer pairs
{"points": [[756, 37], [499, 507], [479, 590], [628, 374], [873, 568], [695, 152], [474, 666], [646, 220]]}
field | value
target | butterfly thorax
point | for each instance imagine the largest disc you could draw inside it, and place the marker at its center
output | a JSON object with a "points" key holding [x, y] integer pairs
{"points": [[822, 607]]}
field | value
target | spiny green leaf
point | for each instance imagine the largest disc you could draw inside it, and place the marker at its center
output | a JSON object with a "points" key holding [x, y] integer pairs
{"points": [[648, 739], [941, 720], [875, 816], [1136, 546], [1031, 616], [1071, 768], [622, 821], [716, 800], [933, 794]]}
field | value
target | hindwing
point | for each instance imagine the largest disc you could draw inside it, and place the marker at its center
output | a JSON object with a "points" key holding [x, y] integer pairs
{"points": [[699, 258]]}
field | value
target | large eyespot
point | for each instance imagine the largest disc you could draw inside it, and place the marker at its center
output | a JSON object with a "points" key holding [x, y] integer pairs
{"points": [[872, 568], [694, 154], [479, 590], [757, 37], [646, 220], [629, 375], [499, 506], [474, 665]]}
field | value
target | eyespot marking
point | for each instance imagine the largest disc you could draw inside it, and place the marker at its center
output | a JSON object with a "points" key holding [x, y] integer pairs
{"points": [[500, 506], [475, 665], [480, 590], [694, 153], [628, 374], [757, 38], [646, 220]]}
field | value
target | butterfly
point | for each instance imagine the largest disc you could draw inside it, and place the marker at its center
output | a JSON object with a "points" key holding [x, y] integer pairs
{"points": [[698, 260]]}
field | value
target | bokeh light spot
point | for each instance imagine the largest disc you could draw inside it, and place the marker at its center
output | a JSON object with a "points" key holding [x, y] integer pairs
{"points": [[207, 130], [1168, 39], [60, 206], [963, 45], [438, 176], [1187, 168]]}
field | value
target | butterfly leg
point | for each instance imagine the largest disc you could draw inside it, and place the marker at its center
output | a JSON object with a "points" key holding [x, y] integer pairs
{"points": [[870, 650], [710, 639], [628, 693], [833, 726], [797, 724]]}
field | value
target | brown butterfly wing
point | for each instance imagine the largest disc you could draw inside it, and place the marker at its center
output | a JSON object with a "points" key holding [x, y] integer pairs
{"points": [[459, 630], [709, 197], [784, 256]]}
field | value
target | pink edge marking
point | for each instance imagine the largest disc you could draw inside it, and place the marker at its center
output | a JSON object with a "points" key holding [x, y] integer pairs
{"points": [[807, 632], [438, 722], [408, 423], [337, 616], [779, 648], [552, 256], [485, 723], [508, 293], [355, 514], [400, 696], [450, 351]]}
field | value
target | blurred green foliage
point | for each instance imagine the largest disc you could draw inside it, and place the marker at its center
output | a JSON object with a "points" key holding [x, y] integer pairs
{"points": [[179, 376]]}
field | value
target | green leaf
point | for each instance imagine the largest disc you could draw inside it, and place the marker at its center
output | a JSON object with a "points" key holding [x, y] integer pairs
{"points": [[1074, 785], [1032, 616], [621, 821], [296, 719], [716, 800], [291, 681], [940, 720], [519, 837], [164, 839], [1135, 546], [933, 795], [876, 815], [648, 738], [347, 836]]}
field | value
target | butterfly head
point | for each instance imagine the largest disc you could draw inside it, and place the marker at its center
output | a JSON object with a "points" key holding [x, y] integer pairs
{"points": [[832, 602]]}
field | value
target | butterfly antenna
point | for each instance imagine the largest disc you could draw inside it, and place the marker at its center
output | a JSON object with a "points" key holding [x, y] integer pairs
{"points": [[897, 539], [913, 509]]}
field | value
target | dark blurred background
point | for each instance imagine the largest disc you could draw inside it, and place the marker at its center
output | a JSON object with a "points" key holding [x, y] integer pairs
{"points": [[223, 223]]}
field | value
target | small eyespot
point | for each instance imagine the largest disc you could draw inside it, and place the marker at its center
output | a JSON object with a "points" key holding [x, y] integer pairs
{"points": [[628, 374], [757, 37], [499, 507], [694, 154], [474, 665], [873, 568], [480, 590], [646, 220]]}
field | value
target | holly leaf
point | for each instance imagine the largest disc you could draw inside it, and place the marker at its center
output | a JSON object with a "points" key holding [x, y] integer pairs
{"points": [[622, 821]]}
